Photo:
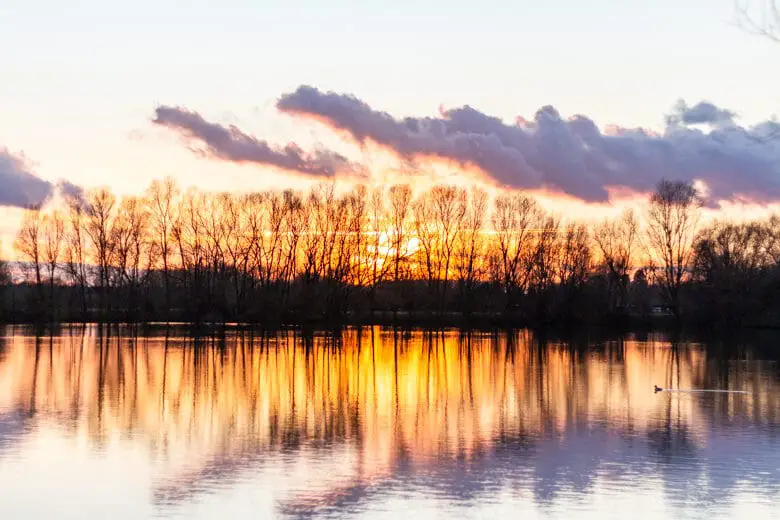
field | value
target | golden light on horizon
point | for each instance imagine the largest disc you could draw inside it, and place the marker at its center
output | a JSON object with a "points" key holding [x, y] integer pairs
{"points": [[565, 208]]}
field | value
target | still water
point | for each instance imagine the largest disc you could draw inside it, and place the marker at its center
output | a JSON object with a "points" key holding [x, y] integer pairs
{"points": [[377, 423]]}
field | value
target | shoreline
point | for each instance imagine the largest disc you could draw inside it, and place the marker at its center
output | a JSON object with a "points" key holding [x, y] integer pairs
{"points": [[492, 322]]}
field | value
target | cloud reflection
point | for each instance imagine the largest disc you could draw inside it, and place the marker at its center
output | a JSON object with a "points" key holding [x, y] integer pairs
{"points": [[346, 420]]}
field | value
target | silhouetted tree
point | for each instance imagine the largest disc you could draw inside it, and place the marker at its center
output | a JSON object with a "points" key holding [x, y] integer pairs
{"points": [[672, 219], [130, 254], [470, 248], [449, 210], [53, 230], [575, 261], [378, 249], [400, 201], [28, 245], [515, 218], [161, 199], [616, 240], [640, 294], [98, 226], [733, 264], [329, 254], [5, 282], [544, 265], [76, 250]]}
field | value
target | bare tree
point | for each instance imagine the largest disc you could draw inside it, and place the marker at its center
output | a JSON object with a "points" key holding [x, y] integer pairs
{"points": [[311, 241], [188, 233], [672, 220], [576, 256], [400, 201], [424, 221], [161, 199], [450, 206], [28, 244], [732, 263], [353, 245], [128, 236], [733, 250], [378, 247], [99, 221], [295, 226], [615, 240], [546, 257], [514, 219], [470, 247], [76, 250], [5, 282], [245, 246], [53, 235], [759, 17], [271, 245], [215, 268]]}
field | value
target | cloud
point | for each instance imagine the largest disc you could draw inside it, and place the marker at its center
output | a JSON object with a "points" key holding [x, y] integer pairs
{"points": [[701, 113], [571, 155], [21, 188], [71, 191], [231, 144]]}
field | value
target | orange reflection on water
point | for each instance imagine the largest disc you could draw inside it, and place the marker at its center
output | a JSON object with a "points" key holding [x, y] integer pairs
{"points": [[372, 396]]}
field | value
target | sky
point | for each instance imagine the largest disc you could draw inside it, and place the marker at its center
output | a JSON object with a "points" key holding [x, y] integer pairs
{"points": [[80, 80]]}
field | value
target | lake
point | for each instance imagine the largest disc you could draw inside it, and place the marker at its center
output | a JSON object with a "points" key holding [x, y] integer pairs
{"points": [[381, 423]]}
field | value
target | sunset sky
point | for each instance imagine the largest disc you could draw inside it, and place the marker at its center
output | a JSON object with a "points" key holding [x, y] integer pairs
{"points": [[81, 82]]}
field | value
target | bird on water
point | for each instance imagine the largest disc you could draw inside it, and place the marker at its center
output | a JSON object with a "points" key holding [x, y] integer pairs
{"points": [[657, 389]]}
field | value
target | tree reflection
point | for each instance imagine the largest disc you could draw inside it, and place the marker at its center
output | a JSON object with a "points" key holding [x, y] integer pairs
{"points": [[370, 411]]}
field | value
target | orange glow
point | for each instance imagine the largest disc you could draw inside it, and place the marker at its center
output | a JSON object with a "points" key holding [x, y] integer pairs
{"points": [[208, 406]]}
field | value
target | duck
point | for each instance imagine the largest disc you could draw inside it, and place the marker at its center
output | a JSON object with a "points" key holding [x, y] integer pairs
{"points": [[657, 389]]}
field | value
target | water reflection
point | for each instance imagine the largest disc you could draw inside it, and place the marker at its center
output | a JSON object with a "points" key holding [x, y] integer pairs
{"points": [[349, 422]]}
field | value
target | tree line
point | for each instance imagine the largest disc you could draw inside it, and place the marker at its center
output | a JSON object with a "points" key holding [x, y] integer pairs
{"points": [[374, 253]]}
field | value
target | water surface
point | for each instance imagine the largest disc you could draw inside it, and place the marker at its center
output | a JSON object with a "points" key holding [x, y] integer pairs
{"points": [[378, 423]]}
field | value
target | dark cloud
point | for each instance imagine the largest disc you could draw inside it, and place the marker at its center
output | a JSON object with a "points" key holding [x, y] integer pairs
{"points": [[568, 155], [21, 188], [412, 137], [71, 191], [701, 113], [231, 144]]}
